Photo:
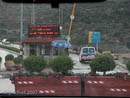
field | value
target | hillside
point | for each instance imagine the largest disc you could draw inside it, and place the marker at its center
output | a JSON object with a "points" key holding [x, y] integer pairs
{"points": [[111, 18]]}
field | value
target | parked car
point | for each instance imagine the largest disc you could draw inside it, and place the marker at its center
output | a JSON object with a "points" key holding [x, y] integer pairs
{"points": [[87, 53], [106, 53], [109, 53]]}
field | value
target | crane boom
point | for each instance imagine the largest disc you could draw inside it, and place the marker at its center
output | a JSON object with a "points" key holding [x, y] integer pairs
{"points": [[71, 20]]}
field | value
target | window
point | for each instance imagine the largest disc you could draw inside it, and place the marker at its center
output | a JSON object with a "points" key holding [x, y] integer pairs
{"points": [[47, 49], [41, 50], [55, 52], [33, 50], [91, 50], [85, 50]]}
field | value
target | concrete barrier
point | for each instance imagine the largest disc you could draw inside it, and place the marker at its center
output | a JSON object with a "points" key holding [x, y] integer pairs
{"points": [[58, 86]]}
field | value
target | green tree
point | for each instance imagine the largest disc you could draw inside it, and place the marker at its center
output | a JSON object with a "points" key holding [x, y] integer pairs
{"points": [[0, 58], [34, 63], [12, 39], [103, 64], [128, 65], [9, 57], [61, 64], [18, 60], [128, 43]]}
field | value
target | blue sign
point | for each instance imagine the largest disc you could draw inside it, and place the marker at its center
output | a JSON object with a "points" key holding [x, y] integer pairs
{"points": [[96, 37]]}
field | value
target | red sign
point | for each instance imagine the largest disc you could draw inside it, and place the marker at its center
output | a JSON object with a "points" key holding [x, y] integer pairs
{"points": [[43, 30], [117, 41]]}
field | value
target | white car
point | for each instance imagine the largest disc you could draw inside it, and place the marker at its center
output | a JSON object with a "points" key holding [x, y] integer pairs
{"points": [[87, 53]]}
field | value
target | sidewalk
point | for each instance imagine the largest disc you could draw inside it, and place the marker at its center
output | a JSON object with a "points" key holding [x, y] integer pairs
{"points": [[121, 64], [6, 86], [7, 72]]}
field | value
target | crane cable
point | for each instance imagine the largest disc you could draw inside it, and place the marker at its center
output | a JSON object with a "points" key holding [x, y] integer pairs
{"points": [[72, 18]]}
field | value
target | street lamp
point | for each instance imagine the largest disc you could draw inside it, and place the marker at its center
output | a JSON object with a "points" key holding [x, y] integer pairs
{"points": [[21, 33]]}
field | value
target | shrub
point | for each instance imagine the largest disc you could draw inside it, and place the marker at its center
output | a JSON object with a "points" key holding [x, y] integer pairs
{"points": [[0, 59], [10, 48], [61, 64], [128, 65], [103, 64], [34, 63], [18, 60], [9, 57]]}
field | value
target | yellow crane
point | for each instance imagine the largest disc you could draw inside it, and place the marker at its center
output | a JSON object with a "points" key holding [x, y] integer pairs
{"points": [[71, 20]]}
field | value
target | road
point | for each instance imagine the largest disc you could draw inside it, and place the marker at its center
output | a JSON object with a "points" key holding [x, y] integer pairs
{"points": [[84, 67], [7, 87], [5, 84], [78, 67]]}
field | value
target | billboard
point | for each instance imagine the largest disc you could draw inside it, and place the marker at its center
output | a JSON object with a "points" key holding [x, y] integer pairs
{"points": [[43, 30], [94, 37]]}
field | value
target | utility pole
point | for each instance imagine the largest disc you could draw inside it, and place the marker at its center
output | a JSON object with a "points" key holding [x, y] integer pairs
{"points": [[21, 33], [33, 13], [60, 20], [97, 46]]}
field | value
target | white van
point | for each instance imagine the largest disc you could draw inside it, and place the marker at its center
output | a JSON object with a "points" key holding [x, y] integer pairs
{"points": [[87, 53]]}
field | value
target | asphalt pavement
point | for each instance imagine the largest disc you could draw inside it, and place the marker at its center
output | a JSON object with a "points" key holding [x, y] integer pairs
{"points": [[85, 68]]}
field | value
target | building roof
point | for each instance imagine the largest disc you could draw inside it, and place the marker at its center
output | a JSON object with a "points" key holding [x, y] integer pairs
{"points": [[41, 40]]}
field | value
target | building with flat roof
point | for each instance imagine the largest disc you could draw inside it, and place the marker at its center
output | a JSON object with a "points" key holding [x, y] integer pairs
{"points": [[39, 41], [40, 47]]}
